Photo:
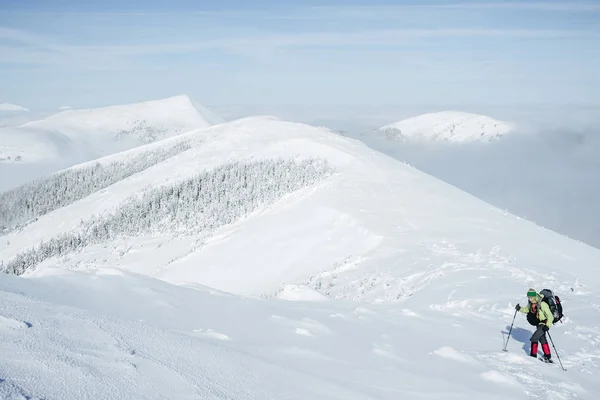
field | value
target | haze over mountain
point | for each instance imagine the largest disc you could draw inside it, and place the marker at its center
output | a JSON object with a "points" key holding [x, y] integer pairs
{"points": [[547, 175]]}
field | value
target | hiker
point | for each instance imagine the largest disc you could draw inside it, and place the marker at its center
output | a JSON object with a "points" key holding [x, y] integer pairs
{"points": [[539, 315]]}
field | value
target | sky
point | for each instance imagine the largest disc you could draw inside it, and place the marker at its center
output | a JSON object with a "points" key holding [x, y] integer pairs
{"points": [[309, 53]]}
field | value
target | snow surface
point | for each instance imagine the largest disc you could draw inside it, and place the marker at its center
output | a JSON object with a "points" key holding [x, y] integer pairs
{"points": [[381, 282], [11, 107], [450, 126], [87, 134]]}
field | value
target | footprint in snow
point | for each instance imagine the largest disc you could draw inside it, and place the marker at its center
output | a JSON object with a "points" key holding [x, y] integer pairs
{"points": [[510, 371], [212, 334], [516, 358]]}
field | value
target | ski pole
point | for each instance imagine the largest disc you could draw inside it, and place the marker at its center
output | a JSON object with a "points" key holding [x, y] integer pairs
{"points": [[509, 332], [557, 356]]}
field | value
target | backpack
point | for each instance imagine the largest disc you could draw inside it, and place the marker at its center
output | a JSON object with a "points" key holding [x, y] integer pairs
{"points": [[554, 302]]}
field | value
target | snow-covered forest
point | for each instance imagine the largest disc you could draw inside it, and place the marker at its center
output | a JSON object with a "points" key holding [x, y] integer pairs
{"points": [[197, 206], [142, 131], [27, 202]]}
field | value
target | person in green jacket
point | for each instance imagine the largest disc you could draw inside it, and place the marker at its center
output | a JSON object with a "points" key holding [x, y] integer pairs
{"points": [[539, 315]]}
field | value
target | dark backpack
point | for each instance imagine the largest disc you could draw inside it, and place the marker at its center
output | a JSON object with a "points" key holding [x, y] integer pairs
{"points": [[554, 302]]}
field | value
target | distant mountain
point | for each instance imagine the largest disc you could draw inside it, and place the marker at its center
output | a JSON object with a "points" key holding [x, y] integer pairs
{"points": [[91, 133], [11, 107], [449, 126], [13, 115]]}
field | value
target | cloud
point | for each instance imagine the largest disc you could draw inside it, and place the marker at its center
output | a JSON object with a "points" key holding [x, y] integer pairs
{"points": [[23, 47], [18, 36], [298, 12], [387, 12], [37, 47], [549, 176], [572, 6]]}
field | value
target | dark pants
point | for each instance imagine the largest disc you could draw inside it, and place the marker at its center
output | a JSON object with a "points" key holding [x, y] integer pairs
{"points": [[539, 336]]}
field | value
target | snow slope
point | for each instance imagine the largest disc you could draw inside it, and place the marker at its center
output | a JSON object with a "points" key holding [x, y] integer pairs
{"points": [[450, 126], [377, 282], [109, 334], [87, 134]]}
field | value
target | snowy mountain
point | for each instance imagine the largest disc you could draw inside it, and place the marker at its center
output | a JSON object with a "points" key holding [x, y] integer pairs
{"points": [[449, 126], [12, 115], [11, 107], [82, 135], [267, 259]]}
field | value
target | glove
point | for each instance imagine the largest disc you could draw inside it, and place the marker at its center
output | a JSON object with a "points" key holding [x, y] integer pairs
{"points": [[545, 328], [518, 307]]}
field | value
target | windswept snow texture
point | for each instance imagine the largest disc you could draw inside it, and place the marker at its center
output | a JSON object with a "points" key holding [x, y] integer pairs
{"points": [[378, 282], [448, 126], [83, 135]]}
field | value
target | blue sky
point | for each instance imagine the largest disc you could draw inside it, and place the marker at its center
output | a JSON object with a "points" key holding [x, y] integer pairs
{"points": [[85, 54]]}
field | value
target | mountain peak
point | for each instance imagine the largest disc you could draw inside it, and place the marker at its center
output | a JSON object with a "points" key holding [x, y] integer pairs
{"points": [[450, 126], [11, 107], [95, 132]]}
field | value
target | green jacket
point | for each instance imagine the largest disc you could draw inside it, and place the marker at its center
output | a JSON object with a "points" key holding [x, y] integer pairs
{"points": [[543, 312]]}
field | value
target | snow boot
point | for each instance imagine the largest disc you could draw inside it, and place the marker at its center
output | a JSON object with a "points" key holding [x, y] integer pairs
{"points": [[546, 350]]}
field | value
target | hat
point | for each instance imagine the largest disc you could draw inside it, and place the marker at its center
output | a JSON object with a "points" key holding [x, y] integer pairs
{"points": [[531, 293]]}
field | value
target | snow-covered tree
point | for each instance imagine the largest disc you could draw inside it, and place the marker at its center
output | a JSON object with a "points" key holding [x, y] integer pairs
{"points": [[26, 203], [195, 207]]}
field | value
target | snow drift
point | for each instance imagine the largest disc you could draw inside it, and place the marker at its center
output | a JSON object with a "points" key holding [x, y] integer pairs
{"points": [[363, 278], [448, 126]]}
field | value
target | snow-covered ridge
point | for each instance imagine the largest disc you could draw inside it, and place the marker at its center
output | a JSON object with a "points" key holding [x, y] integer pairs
{"points": [[13, 115], [177, 112], [11, 107], [369, 196], [87, 134], [449, 126]]}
